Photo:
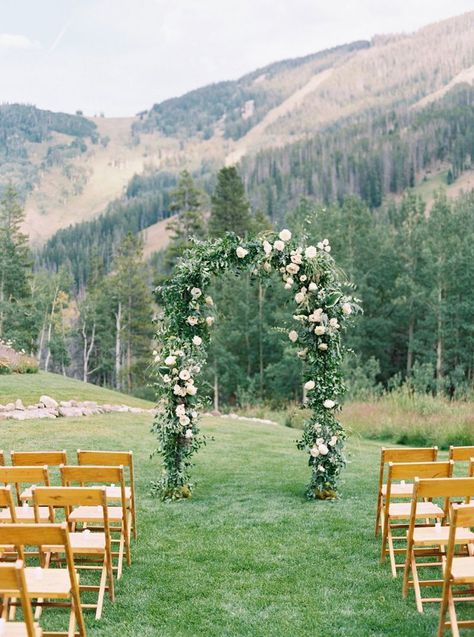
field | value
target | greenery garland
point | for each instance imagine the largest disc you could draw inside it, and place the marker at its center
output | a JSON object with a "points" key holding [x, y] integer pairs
{"points": [[322, 310]]}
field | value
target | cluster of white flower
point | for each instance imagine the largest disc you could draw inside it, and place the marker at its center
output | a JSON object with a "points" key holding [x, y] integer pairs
{"points": [[324, 245]]}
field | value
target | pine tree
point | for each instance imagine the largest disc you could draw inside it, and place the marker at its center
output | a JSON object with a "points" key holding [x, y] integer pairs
{"points": [[17, 320], [186, 201], [230, 209]]}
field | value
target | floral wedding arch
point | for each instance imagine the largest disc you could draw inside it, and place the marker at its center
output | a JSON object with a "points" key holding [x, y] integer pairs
{"points": [[321, 312]]}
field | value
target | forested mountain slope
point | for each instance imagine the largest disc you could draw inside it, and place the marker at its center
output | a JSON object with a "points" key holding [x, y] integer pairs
{"points": [[366, 118]]}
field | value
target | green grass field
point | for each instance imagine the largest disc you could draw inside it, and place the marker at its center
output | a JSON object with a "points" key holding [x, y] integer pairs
{"points": [[29, 387], [247, 555]]}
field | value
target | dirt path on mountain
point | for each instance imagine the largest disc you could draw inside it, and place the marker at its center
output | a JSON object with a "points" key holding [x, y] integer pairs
{"points": [[254, 136]]}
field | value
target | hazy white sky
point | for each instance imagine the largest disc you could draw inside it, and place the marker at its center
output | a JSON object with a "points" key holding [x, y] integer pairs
{"points": [[121, 56]]}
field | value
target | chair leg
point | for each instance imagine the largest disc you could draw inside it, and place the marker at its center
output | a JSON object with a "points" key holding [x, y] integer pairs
{"points": [[406, 574], [72, 622], [127, 543], [377, 516], [120, 556], [442, 611], [416, 583], [452, 614], [391, 552], [384, 544], [102, 585], [110, 575]]}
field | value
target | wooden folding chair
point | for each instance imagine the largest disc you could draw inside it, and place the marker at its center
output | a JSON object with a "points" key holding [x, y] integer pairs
{"points": [[405, 454], [114, 459], [48, 587], [430, 542], [13, 585], [85, 544], [119, 516], [458, 571], [19, 476], [395, 515], [2, 458], [37, 459]]}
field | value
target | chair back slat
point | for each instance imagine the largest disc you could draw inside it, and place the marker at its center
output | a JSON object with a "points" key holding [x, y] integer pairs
{"points": [[32, 534], [461, 454], [444, 488], [69, 496], [21, 475], [409, 454], [411, 470], [463, 515], [38, 458], [105, 458], [90, 473]]}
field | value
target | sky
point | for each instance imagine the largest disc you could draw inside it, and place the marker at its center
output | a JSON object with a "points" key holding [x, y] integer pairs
{"points": [[119, 57]]}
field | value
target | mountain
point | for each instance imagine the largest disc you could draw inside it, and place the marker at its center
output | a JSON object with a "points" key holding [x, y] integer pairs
{"points": [[369, 118]]}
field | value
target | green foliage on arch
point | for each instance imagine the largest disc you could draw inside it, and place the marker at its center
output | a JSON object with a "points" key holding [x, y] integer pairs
{"points": [[322, 310]]}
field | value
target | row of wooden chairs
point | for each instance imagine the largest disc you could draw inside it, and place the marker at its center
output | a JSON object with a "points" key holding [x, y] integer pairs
{"points": [[95, 503], [434, 531]]}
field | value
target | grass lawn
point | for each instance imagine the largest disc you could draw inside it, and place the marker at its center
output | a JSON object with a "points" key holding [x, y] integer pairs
{"points": [[29, 387], [247, 556]]}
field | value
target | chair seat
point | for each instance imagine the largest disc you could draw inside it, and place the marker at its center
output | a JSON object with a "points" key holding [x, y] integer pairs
{"points": [[25, 514], [462, 570], [84, 543], [95, 514], [399, 490], [430, 535], [18, 629], [47, 582], [402, 510]]}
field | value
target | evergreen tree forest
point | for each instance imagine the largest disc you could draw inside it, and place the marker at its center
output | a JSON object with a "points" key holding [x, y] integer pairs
{"points": [[411, 267]]}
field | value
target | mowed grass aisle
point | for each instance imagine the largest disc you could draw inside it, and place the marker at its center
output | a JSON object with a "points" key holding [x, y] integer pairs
{"points": [[247, 555]]}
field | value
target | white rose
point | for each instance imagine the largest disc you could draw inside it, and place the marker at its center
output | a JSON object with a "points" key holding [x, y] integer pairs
{"points": [[310, 252], [296, 258], [267, 247], [346, 309], [166, 378], [314, 451], [303, 277], [184, 420], [208, 301], [323, 346], [293, 336], [319, 330], [333, 441], [184, 374], [292, 268], [194, 414], [327, 248], [192, 320], [321, 245], [241, 252], [316, 316], [289, 280], [329, 404], [196, 293], [157, 358], [180, 410], [302, 353], [170, 361], [191, 389], [285, 235], [333, 323], [210, 320], [323, 450], [197, 340], [287, 286], [300, 297], [267, 267], [309, 385], [325, 242], [178, 390], [279, 245], [313, 287], [188, 434]]}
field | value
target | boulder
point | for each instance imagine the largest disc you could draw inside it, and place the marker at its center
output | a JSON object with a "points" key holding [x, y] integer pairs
{"points": [[49, 402], [19, 415], [9, 407], [90, 404], [70, 411], [19, 405], [65, 403]]}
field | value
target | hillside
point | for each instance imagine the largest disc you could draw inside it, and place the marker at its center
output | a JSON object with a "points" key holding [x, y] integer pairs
{"points": [[29, 387], [73, 171]]}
